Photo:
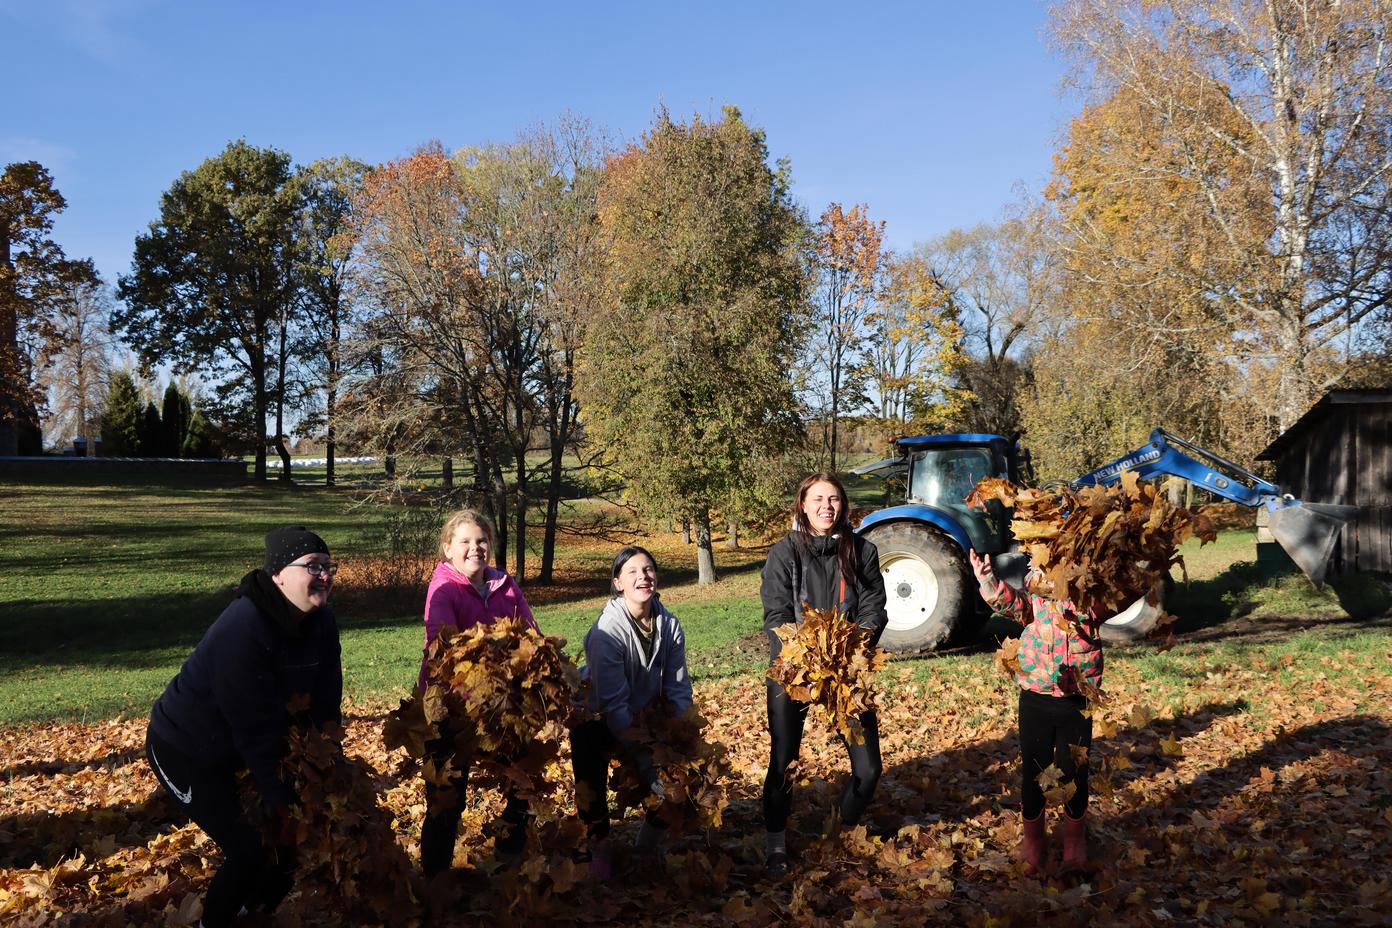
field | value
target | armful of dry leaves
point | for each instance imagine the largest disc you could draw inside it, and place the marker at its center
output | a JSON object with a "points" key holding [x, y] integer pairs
{"points": [[828, 661]]}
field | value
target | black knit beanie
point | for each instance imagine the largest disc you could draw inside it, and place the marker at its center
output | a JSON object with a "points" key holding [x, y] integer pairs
{"points": [[285, 545]]}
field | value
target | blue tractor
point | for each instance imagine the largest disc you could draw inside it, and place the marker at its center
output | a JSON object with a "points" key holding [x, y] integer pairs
{"points": [[923, 541]]}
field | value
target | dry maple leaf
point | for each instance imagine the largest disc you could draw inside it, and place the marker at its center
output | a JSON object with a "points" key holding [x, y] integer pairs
{"points": [[828, 661], [1008, 657], [693, 769], [503, 699], [347, 855], [1100, 547]]}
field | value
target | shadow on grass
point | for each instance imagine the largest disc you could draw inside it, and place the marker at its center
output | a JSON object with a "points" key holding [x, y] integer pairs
{"points": [[1252, 601], [43, 838], [960, 784], [128, 632]]}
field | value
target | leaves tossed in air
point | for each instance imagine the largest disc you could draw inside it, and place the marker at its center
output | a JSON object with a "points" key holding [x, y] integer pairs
{"points": [[829, 662], [348, 858], [694, 770], [1100, 547]]}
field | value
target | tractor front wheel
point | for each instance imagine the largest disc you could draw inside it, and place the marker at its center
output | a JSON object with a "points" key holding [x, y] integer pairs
{"points": [[925, 576]]}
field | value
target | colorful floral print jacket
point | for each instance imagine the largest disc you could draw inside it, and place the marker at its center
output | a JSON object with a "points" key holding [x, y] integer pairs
{"points": [[1058, 646]]}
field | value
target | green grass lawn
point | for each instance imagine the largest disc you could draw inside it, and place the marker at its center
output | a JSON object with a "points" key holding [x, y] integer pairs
{"points": [[104, 590]]}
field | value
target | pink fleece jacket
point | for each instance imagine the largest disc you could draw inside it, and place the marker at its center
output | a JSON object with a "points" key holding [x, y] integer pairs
{"points": [[453, 601]]}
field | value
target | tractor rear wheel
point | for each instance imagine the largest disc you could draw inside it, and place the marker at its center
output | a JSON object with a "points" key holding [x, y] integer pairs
{"points": [[926, 587]]}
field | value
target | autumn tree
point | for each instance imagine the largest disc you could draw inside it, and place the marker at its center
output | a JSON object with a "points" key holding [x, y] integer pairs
{"points": [[76, 363], [685, 382], [530, 222], [913, 351], [326, 250], [420, 379], [847, 257], [35, 278], [1268, 133], [1002, 278], [1151, 348], [213, 285]]}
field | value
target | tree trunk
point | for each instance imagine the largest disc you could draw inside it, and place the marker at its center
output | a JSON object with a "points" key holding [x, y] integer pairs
{"points": [[732, 534], [501, 515], [520, 518], [835, 417], [330, 399], [282, 360], [259, 469], [553, 509], [10, 386], [705, 557], [686, 531], [447, 473]]}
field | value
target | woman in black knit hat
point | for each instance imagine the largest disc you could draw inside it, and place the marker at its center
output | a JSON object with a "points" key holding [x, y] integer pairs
{"points": [[269, 663]]}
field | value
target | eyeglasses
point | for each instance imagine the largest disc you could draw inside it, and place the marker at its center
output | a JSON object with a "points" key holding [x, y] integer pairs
{"points": [[315, 569]]}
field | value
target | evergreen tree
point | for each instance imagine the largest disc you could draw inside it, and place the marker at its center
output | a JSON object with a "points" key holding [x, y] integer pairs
{"points": [[173, 421], [150, 433], [198, 441], [120, 424]]}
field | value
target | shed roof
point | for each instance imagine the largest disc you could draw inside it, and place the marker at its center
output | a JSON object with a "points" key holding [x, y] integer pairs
{"points": [[1319, 411]]}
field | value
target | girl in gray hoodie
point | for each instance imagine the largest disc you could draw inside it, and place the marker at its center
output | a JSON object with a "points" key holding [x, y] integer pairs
{"points": [[635, 655]]}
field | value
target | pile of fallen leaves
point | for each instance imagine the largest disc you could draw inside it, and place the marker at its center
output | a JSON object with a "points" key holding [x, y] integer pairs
{"points": [[347, 857], [1244, 787], [693, 769], [501, 697], [1102, 547], [828, 661]]}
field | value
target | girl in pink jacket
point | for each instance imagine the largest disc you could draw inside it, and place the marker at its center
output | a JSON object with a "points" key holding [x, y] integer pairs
{"points": [[1060, 662], [465, 591]]}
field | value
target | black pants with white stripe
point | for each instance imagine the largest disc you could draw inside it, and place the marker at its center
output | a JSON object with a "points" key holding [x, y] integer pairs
{"points": [[251, 875]]}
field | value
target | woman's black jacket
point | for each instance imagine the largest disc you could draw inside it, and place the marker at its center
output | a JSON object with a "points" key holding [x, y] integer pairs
{"points": [[261, 667], [804, 568]]}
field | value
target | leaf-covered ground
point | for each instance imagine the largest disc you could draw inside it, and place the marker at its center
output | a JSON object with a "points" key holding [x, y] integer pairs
{"points": [[1232, 785]]}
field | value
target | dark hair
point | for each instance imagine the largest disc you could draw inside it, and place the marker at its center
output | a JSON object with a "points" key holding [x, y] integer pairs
{"points": [[845, 542], [622, 558]]}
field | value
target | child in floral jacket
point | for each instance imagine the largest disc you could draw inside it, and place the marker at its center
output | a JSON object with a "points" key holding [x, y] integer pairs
{"points": [[1060, 659]]}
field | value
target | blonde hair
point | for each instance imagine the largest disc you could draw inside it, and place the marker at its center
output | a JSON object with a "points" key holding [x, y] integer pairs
{"points": [[464, 517]]}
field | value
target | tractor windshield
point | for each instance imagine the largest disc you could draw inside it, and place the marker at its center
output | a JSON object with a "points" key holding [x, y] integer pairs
{"points": [[943, 478]]}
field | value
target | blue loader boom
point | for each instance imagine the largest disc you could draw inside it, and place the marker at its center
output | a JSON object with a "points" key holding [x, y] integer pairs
{"points": [[1307, 531]]}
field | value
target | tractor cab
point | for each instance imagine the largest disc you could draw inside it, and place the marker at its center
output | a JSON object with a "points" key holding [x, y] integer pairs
{"points": [[941, 470]]}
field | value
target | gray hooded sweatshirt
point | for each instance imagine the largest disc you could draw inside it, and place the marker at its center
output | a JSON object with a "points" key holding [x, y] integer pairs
{"points": [[622, 682]]}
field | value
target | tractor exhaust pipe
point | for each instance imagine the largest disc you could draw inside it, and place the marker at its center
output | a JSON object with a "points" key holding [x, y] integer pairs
{"points": [[1307, 531]]}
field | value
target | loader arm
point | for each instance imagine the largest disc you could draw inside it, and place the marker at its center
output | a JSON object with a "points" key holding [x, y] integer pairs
{"points": [[1307, 531]]}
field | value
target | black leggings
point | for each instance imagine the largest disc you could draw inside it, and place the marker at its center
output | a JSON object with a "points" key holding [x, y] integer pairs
{"points": [[592, 746], [1049, 725], [251, 875], [440, 829], [786, 717]]}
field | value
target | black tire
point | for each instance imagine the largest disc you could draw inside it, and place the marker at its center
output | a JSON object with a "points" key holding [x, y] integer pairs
{"points": [[1137, 620], [925, 585]]}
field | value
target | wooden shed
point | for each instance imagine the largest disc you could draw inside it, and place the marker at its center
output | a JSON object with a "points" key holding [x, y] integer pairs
{"points": [[1340, 451]]}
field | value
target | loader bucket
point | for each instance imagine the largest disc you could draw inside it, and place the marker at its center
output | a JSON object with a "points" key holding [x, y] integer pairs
{"points": [[1307, 531]]}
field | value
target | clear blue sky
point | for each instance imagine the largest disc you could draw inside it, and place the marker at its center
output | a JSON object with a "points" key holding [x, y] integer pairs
{"points": [[928, 111]]}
